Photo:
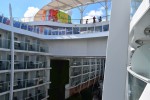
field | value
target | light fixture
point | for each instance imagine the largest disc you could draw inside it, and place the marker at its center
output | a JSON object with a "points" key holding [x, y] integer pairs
{"points": [[140, 42], [147, 31]]}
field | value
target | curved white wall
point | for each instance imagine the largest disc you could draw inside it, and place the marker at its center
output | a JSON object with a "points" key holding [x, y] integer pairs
{"points": [[79, 47], [141, 61]]}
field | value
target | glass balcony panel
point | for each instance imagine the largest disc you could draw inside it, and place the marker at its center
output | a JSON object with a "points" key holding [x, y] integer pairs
{"points": [[19, 45], [75, 30], [5, 43], [75, 81], [106, 28], [23, 26], [30, 28], [90, 29], [98, 67], [86, 69], [92, 68], [16, 24], [75, 62], [83, 30], [85, 78], [92, 75], [62, 30], [86, 62], [68, 30], [4, 86], [93, 61], [97, 73], [54, 32], [4, 97], [4, 65], [98, 29], [6, 21], [38, 96], [136, 87], [76, 71], [46, 31]]}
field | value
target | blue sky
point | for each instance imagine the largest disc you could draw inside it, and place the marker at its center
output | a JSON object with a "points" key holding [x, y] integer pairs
{"points": [[21, 8]]}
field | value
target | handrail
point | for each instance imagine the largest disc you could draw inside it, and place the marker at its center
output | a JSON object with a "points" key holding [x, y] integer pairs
{"points": [[59, 31], [147, 80], [40, 18]]}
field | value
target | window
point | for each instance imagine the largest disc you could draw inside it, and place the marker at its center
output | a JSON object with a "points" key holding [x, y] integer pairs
{"points": [[15, 38]]}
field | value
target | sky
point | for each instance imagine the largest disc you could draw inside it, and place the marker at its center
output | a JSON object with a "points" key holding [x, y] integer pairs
{"points": [[28, 8]]}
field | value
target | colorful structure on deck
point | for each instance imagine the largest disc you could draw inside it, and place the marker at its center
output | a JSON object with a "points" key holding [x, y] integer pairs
{"points": [[54, 15]]}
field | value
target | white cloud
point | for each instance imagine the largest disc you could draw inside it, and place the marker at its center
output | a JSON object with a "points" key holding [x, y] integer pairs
{"points": [[29, 14], [92, 13]]}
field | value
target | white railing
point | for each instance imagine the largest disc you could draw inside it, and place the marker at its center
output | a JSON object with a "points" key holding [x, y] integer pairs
{"points": [[81, 29], [138, 76]]}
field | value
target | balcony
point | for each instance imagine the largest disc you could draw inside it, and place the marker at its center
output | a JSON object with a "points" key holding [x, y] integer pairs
{"points": [[21, 45], [29, 65], [86, 62], [98, 67], [97, 73], [5, 43], [75, 62], [38, 96], [4, 86], [85, 78], [86, 69], [76, 71], [4, 65], [138, 85], [19, 84], [92, 75], [92, 68], [75, 81]]}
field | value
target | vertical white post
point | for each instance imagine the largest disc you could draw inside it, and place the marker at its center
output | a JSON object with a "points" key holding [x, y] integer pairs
{"points": [[106, 9], [12, 56], [117, 51]]}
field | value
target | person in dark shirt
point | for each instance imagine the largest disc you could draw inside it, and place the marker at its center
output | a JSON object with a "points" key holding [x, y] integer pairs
{"points": [[86, 21], [100, 19], [94, 19]]}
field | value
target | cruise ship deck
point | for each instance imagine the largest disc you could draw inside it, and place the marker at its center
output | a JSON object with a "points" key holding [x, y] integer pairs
{"points": [[52, 56]]}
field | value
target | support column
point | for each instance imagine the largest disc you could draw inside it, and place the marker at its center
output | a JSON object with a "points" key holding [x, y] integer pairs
{"points": [[106, 10], [117, 51], [81, 20], [12, 56]]}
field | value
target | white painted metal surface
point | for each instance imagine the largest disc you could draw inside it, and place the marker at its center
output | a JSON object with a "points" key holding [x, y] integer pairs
{"points": [[117, 51], [145, 94], [12, 56]]}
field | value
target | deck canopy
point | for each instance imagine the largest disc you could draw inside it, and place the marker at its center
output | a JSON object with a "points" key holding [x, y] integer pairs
{"points": [[66, 5]]}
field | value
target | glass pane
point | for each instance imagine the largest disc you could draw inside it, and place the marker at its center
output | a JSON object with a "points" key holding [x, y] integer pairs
{"points": [[105, 27], [136, 87]]}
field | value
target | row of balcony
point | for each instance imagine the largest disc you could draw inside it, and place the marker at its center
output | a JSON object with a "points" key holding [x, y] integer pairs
{"points": [[86, 69], [4, 86], [55, 30], [77, 80], [5, 65], [21, 45], [88, 61], [19, 84], [38, 96]]}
